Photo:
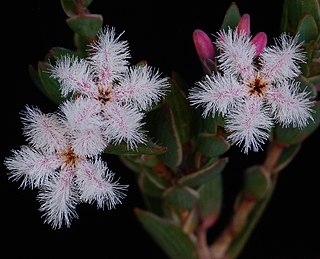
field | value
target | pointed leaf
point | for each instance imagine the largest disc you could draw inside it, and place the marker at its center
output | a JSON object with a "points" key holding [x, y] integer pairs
{"points": [[150, 183], [307, 29], [170, 237], [153, 205], [181, 110], [74, 7], [294, 10], [162, 125], [232, 17], [211, 124], [181, 197], [180, 82], [211, 145], [57, 52], [313, 57], [50, 86], [204, 175], [81, 43], [33, 73], [150, 187], [86, 25], [148, 148], [144, 160], [210, 197], [256, 182]]}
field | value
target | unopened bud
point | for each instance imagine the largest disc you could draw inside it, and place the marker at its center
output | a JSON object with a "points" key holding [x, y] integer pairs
{"points": [[203, 45], [244, 24], [260, 42], [205, 49]]}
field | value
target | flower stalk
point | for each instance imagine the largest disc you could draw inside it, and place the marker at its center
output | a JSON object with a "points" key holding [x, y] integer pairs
{"points": [[247, 207]]}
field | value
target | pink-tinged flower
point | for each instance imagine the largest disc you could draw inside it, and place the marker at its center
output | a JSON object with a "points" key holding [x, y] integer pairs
{"points": [[254, 93], [118, 93], [54, 163]]}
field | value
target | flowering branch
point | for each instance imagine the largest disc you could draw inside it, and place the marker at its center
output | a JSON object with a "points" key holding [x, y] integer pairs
{"points": [[174, 137]]}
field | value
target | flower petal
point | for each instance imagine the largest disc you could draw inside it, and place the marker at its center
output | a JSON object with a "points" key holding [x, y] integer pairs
{"points": [[249, 125]]}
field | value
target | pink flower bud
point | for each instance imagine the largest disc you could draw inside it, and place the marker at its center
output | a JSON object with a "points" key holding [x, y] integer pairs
{"points": [[203, 45], [260, 42], [244, 24]]}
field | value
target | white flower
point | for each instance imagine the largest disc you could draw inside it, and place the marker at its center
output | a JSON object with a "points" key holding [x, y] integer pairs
{"points": [[55, 162], [254, 93], [121, 91]]}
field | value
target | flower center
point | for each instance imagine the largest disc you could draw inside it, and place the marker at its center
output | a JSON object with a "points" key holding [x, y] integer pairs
{"points": [[104, 95], [69, 157], [257, 86]]}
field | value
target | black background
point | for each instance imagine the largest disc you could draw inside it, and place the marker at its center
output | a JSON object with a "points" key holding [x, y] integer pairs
{"points": [[162, 35]]}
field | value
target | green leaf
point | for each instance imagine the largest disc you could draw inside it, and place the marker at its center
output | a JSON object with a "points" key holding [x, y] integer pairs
{"points": [[153, 205], [58, 52], [145, 160], [87, 25], [295, 10], [256, 182], [211, 123], [50, 86], [313, 59], [205, 174], [180, 82], [181, 197], [232, 17], [150, 181], [162, 126], [148, 148], [210, 197], [307, 29], [181, 110], [170, 237], [290, 135], [74, 7], [81, 43], [150, 186], [33, 73], [211, 145]]}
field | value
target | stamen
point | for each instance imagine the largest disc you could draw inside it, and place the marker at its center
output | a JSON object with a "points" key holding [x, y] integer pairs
{"points": [[104, 96], [69, 157], [257, 86]]}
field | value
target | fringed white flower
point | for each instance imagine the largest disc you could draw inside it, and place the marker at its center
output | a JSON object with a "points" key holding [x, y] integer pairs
{"points": [[253, 92], [56, 163], [122, 92]]}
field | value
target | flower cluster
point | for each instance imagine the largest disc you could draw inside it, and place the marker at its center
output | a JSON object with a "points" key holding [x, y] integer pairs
{"points": [[255, 86], [107, 105]]}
